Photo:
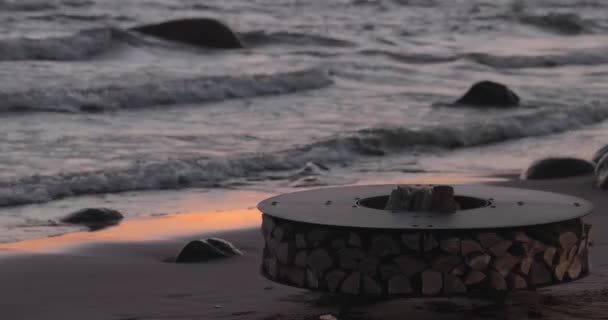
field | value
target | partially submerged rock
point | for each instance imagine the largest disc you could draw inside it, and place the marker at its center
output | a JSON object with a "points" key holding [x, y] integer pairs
{"points": [[207, 249], [599, 154], [552, 168], [202, 32], [489, 94], [94, 218], [601, 172]]}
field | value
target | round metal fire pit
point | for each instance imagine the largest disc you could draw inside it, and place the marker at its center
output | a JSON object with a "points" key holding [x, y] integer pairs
{"points": [[342, 240]]}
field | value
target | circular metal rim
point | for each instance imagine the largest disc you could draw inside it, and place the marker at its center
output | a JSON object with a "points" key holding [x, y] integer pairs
{"points": [[510, 207]]}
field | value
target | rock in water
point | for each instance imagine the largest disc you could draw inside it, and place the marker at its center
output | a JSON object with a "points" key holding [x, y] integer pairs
{"points": [[207, 249], [202, 32], [599, 154], [601, 172], [94, 218], [552, 168], [488, 93]]}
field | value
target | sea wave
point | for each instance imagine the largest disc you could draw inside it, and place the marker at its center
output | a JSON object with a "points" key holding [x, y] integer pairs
{"points": [[79, 46], [26, 5], [378, 141], [563, 23], [574, 57], [294, 163], [167, 92], [262, 38]]}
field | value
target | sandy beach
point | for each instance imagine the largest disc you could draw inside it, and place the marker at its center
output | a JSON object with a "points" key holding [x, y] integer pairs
{"points": [[119, 273]]}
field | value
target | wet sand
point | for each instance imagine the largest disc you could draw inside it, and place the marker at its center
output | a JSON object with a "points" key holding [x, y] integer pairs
{"points": [[120, 273]]}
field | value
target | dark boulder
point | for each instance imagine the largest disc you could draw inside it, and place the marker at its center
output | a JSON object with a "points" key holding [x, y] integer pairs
{"points": [[601, 172], [207, 249], [599, 154], [94, 218], [488, 93], [202, 32], [552, 168]]}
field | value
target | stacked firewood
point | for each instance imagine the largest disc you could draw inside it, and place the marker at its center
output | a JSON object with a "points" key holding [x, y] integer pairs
{"points": [[423, 198], [424, 263]]}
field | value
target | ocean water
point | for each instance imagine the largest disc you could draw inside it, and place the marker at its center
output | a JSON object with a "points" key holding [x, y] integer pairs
{"points": [[325, 93]]}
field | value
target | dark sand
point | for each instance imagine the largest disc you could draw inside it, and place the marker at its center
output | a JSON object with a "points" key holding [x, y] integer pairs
{"points": [[114, 276]]}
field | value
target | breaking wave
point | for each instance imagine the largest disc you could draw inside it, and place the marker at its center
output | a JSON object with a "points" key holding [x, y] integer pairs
{"points": [[216, 172], [82, 45], [167, 92], [574, 57], [261, 38]]}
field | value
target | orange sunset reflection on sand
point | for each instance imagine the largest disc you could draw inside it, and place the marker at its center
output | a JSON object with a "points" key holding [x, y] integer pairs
{"points": [[154, 228]]}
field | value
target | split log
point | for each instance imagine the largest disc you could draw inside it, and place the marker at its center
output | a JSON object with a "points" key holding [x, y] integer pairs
{"points": [[385, 245], [301, 241], [283, 232], [488, 239], [370, 286], [525, 265], [295, 275], [301, 259], [549, 256], [399, 284], [496, 281], [352, 284], [458, 270], [399, 199], [561, 269], [354, 240], [421, 200], [453, 285], [516, 281], [268, 225], [432, 282], [539, 274], [519, 249], [412, 241], [317, 236], [589, 234], [469, 246], [537, 247], [334, 279], [557, 236], [520, 236], [478, 261], [450, 245], [311, 280], [443, 199], [286, 252], [429, 243], [320, 261], [572, 252], [410, 265], [568, 239], [388, 270], [338, 243], [503, 265], [369, 266], [272, 267], [350, 257], [501, 248], [575, 268], [474, 277], [445, 263]]}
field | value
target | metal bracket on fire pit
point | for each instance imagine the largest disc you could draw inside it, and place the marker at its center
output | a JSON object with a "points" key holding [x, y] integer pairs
{"points": [[342, 240]]}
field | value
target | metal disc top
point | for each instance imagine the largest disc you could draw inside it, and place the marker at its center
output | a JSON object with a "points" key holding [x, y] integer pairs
{"points": [[507, 207]]}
